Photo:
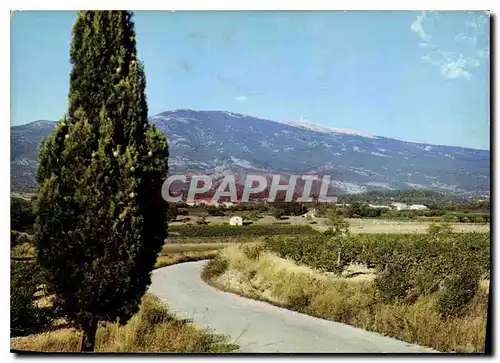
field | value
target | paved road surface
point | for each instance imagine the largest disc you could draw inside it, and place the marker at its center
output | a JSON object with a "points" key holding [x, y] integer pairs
{"points": [[260, 327]]}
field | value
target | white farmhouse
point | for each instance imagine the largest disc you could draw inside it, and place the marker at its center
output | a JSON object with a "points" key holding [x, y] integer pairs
{"points": [[379, 206], [399, 206], [404, 206], [418, 207], [236, 221]]}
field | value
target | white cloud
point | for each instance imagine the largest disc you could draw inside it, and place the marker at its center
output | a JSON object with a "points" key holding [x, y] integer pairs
{"points": [[458, 67], [241, 98], [454, 70], [417, 27], [469, 42]]}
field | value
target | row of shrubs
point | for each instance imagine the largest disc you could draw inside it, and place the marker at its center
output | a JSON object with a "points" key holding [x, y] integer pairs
{"points": [[235, 231], [361, 210], [408, 265]]}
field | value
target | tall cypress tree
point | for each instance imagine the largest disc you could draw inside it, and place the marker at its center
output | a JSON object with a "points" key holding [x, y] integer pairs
{"points": [[100, 215]]}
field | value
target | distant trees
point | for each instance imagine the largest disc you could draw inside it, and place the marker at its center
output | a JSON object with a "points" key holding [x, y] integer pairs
{"points": [[214, 211], [281, 209], [21, 214], [100, 217], [172, 212]]}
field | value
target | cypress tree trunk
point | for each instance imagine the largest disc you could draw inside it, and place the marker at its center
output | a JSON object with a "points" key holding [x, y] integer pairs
{"points": [[88, 341]]}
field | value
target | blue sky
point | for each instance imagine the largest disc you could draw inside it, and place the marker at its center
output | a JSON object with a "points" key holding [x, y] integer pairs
{"points": [[414, 75]]}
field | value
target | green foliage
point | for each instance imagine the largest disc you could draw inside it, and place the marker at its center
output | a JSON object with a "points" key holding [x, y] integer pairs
{"points": [[253, 252], [253, 215], [392, 283], [440, 229], [172, 212], [278, 213], [25, 316], [214, 211], [288, 209], [17, 238], [100, 218], [235, 231], [215, 267], [429, 198], [22, 217], [458, 290], [409, 264], [202, 221], [337, 225]]}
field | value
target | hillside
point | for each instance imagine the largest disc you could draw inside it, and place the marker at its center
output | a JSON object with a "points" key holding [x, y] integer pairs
{"points": [[220, 142]]}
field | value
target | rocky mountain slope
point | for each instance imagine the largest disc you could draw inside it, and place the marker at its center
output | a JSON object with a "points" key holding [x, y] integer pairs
{"points": [[220, 142]]}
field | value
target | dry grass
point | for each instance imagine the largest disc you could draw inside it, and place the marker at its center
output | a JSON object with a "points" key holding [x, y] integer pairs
{"points": [[363, 225], [23, 250], [352, 301], [360, 225], [191, 247], [174, 258], [152, 329]]}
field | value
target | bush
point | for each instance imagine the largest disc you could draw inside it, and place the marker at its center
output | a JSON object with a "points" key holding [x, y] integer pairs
{"points": [[253, 252], [172, 212], [202, 221], [440, 229], [278, 213], [392, 283], [253, 215], [411, 264], [457, 291], [25, 316], [17, 238], [21, 214], [215, 267], [214, 211]]}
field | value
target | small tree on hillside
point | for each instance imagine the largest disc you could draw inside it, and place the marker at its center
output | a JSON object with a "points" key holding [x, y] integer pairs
{"points": [[100, 217]]}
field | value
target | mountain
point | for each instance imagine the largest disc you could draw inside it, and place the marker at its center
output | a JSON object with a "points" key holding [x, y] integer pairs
{"points": [[24, 141], [220, 142]]}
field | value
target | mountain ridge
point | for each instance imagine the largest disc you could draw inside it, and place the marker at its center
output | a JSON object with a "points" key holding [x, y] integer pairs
{"points": [[296, 123], [222, 142]]}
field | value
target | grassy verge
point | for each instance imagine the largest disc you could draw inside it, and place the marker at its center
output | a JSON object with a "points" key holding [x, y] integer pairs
{"points": [[152, 329], [262, 275], [179, 257], [173, 253]]}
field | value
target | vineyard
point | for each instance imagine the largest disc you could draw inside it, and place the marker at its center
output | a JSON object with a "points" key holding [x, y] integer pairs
{"points": [[408, 265], [236, 231], [430, 289]]}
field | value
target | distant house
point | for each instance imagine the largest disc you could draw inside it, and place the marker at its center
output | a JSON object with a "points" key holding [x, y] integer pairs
{"points": [[418, 207], [236, 221], [399, 206], [404, 206], [379, 206]]}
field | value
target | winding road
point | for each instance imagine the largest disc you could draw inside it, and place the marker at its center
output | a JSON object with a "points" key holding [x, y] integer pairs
{"points": [[258, 327]]}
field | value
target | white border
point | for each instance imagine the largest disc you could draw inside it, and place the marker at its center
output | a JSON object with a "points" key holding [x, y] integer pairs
{"points": [[184, 5]]}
